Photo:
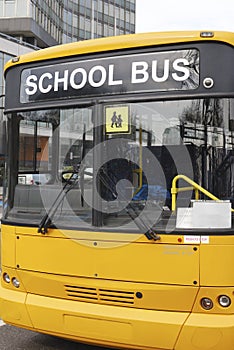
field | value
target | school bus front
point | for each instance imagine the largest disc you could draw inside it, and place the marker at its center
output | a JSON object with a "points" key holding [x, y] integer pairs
{"points": [[117, 226]]}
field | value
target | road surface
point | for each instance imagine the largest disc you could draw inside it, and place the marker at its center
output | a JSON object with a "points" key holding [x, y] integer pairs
{"points": [[12, 338]]}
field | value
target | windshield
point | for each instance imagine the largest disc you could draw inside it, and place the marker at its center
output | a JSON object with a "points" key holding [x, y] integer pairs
{"points": [[116, 166]]}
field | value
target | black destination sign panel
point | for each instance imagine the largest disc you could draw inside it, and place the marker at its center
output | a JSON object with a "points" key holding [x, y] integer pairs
{"points": [[148, 72]]}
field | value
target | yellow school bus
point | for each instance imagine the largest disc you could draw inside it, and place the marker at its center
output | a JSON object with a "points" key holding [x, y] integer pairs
{"points": [[124, 236]]}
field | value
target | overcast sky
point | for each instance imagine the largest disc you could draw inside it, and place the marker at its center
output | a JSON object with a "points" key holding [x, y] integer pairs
{"points": [[164, 15]]}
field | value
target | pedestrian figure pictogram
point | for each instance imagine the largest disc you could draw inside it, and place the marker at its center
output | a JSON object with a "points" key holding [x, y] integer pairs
{"points": [[117, 119]]}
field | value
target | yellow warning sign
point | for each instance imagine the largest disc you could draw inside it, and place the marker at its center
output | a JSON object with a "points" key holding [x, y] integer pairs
{"points": [[117, 119]]}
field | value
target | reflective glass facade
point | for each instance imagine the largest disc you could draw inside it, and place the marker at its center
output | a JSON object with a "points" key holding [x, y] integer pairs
{"points": [[49, 22]]}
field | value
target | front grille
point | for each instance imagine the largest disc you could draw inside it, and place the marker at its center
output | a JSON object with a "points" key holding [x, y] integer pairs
{"points": [[116, 296], [78, 292], [103, 296]]}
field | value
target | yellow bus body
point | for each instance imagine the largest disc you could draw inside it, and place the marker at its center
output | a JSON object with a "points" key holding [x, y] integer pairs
{"points": [[101, 305], [84, 286]]}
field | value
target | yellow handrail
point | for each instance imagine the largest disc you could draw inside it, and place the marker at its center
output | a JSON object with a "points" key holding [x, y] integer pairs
{"points": [[195, 186]]}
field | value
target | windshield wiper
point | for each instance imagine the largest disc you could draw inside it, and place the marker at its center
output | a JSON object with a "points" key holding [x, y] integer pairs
{"points": [[48, 217], [106, 180], [130, 209]]}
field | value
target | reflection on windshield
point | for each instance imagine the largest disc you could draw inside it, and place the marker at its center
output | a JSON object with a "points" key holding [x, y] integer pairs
{"points": [[124, 178]]}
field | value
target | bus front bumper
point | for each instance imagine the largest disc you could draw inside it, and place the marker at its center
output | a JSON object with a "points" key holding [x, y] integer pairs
{"points": [[117, 326]]}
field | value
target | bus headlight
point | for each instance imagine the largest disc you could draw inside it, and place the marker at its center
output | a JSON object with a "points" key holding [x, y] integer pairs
{"points": [[224, 300], [15, 282], [6, 277], [206, 303]]}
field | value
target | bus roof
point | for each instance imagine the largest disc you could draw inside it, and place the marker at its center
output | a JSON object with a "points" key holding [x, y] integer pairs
{"points": [[120, 42]]}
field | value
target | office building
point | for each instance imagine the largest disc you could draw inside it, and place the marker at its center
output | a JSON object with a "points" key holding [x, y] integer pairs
{"points": [[9, 48], [50, 22]]}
